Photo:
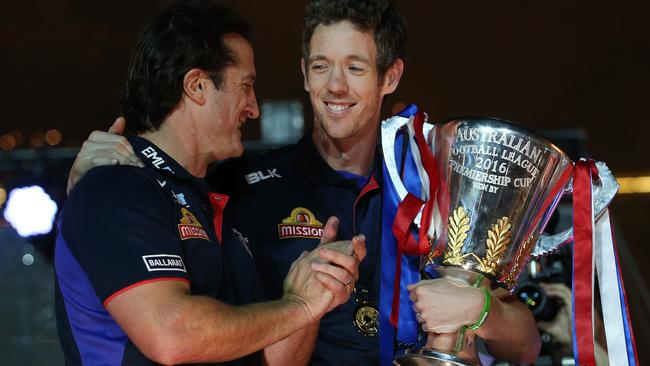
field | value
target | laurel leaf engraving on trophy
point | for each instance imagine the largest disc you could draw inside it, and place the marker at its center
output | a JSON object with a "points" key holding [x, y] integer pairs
{"points": [[457, 233], [497, 242], [519, 261]]}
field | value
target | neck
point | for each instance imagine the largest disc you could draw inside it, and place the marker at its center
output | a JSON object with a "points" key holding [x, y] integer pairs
{"points": [[178, 138], [353, 155]]}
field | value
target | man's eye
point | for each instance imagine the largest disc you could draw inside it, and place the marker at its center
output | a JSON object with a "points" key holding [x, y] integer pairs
{"points": [[356, 69], [318, 67]]}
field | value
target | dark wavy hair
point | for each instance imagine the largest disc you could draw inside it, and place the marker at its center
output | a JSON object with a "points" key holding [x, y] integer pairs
{"points": [[378, 16], [186, 34]]}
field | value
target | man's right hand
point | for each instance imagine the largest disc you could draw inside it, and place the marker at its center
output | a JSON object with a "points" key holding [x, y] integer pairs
{"points": [[324, 278], [103, 148]]}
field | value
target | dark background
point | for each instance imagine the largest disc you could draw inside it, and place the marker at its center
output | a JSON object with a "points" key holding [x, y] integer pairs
{"points": [[576, 65]]}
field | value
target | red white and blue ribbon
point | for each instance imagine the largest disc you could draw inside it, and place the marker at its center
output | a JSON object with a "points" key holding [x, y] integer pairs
{"points": [[594, 248], [406, 201]]}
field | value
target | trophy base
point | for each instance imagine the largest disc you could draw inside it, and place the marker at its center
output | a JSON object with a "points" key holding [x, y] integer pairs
{"points": [[429, 357]]}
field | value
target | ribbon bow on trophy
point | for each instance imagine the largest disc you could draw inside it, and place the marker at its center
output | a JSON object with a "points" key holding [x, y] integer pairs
{"points": [[469, 199]]}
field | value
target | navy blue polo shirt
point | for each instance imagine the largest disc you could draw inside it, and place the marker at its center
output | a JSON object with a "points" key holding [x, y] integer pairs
{"points": [[123, 227], [279, 203]]}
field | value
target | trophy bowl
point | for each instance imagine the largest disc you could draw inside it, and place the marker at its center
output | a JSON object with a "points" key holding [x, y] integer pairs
{"points": [[499, 185]]}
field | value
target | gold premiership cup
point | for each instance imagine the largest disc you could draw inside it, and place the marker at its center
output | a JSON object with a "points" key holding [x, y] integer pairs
{"points": [[499, 184]]}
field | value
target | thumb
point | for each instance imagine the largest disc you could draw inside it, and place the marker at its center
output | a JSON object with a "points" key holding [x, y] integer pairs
{"points": [[118, 126], [302, 255], [330, 230]]}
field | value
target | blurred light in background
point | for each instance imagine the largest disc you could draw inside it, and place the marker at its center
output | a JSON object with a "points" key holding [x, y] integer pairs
{"points": [[30, 211], [7, 142], [634, 184], [53, 137], [282, 121], [18, 136], [3, 196], [37, 139], [28, 259]]}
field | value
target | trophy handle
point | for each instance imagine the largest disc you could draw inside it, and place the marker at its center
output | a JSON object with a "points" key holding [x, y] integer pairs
{"points": [[604, 189]]}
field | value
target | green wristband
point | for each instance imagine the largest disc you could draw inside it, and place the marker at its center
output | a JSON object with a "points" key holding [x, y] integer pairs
{"points": [[484, 312]]}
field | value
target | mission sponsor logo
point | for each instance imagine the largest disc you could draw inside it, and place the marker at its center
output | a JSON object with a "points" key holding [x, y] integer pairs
{"points": [[164, 262], [300, 224], [190, 227]]}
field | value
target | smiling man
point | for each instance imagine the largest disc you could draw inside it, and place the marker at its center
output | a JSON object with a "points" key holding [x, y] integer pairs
{"points": [[353, 55]]}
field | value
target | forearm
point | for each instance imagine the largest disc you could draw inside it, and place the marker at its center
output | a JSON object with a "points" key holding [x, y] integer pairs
{"points": [[293, 350], [173, 328], [510, 332], [213, 331]]}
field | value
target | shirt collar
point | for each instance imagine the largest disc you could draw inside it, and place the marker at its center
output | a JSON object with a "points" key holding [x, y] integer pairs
{"points": [[155, 158], [316, 168]]}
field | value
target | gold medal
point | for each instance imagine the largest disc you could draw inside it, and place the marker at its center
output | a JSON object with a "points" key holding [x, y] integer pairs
{"points": [[365, 319]]}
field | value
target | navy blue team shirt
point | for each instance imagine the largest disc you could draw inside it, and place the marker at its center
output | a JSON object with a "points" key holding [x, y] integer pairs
{"points": [[279, 203], [122, 227]]}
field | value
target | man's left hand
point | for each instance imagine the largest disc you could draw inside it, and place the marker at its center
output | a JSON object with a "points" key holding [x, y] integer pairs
{"points": [[443, 306]]}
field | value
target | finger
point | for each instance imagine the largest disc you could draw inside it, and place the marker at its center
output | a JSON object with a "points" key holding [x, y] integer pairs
{"points": [[101, 137], [413, 296], [359, 247], [418, 318], [103, 161], [348, 262], [339, 291], [416, 307], [99, 148], [73, 179], [107, 156], [91, 149], [338, 273], [330, 230], [82, 165], [118, 126]]}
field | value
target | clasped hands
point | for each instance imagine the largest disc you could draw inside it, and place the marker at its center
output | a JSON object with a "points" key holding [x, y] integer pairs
{"points": [[324, 278]]}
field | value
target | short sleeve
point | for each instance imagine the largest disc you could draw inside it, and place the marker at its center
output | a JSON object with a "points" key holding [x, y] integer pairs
{"points": [[119, 226]]}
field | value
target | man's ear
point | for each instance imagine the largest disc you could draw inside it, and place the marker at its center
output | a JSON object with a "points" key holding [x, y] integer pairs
{"points": [[194, 85], [304, 74], [393, 76]]}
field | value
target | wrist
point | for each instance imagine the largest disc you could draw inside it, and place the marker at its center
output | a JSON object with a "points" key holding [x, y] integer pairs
{"points": [[485, 310], [298, 309]]}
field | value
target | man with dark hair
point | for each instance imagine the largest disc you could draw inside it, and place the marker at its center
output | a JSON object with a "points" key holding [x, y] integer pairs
{"points": [[353, 54], [140, 270]]}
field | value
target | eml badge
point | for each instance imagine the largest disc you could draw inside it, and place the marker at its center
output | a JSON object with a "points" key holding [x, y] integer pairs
{"points": [[300, 224], [190, 227]]}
